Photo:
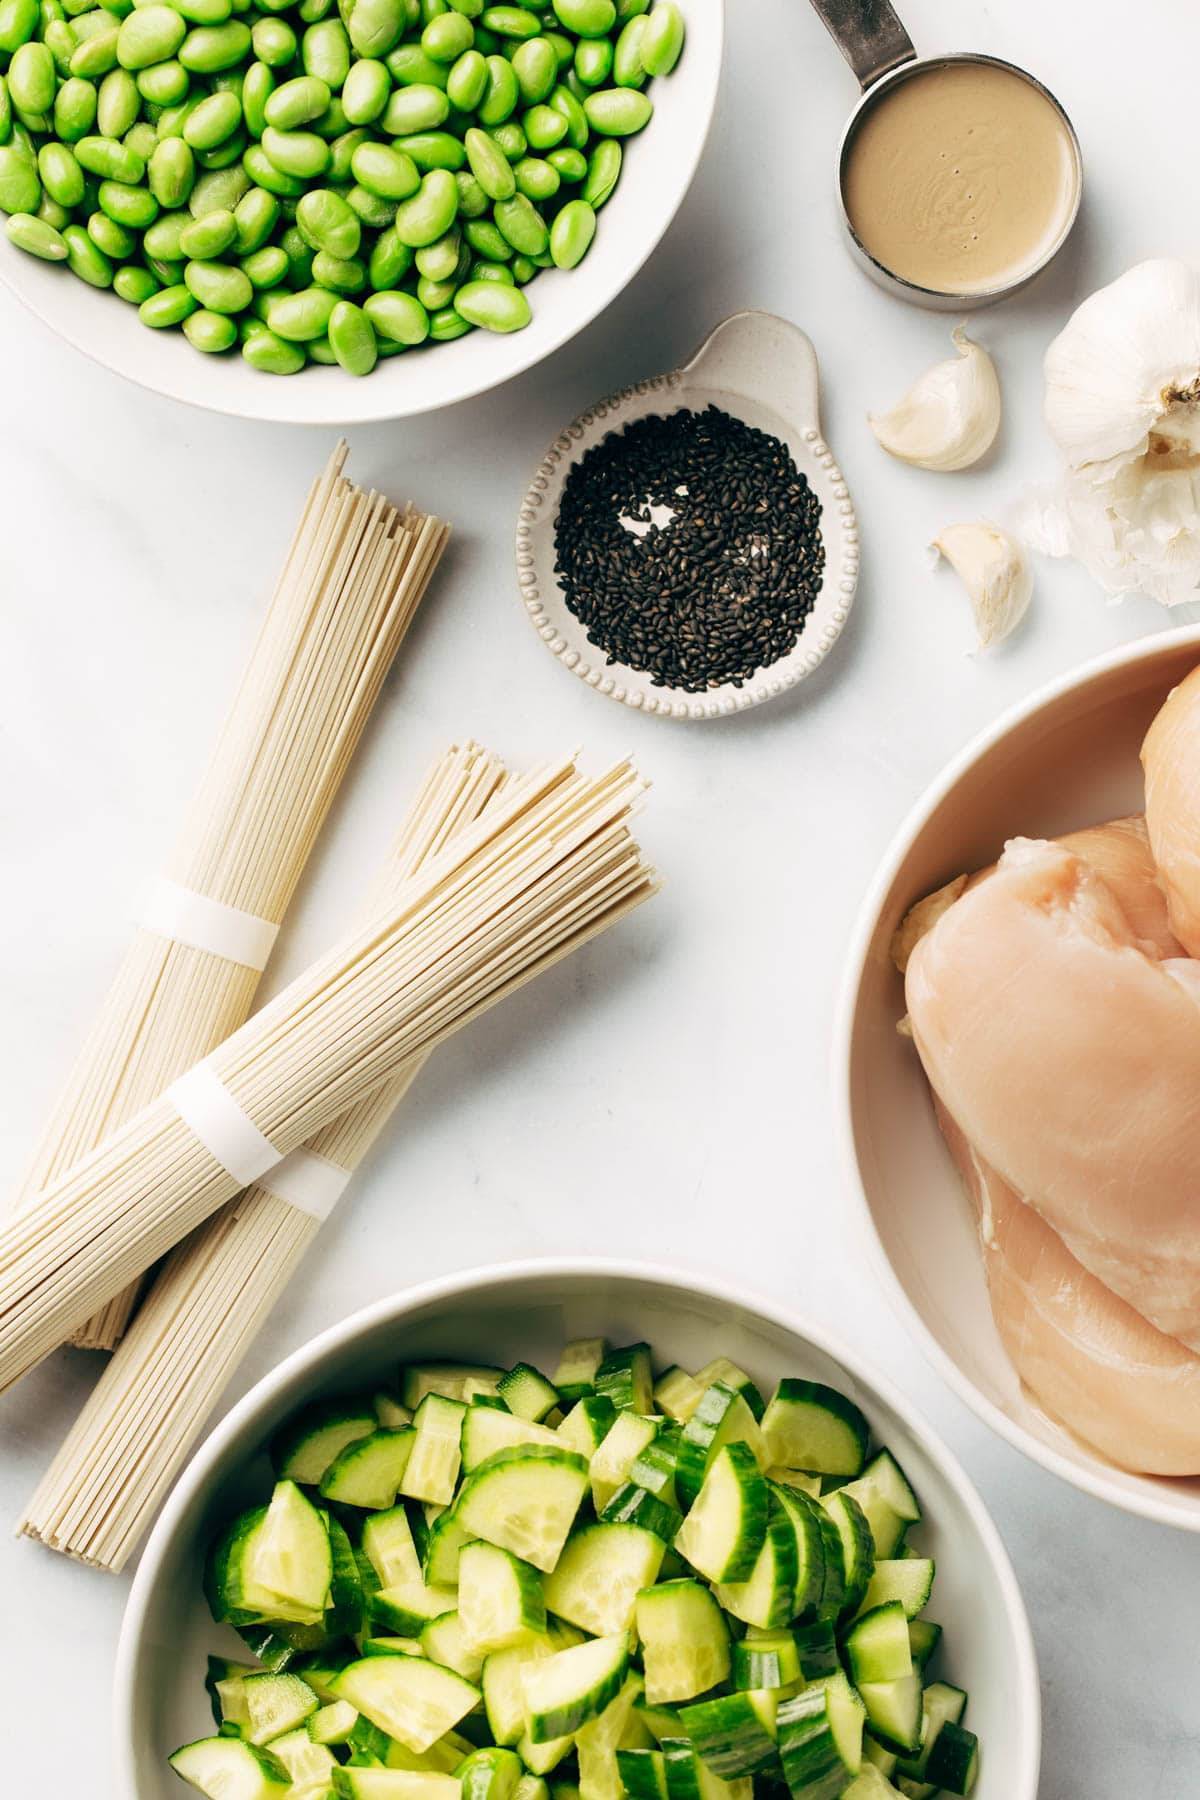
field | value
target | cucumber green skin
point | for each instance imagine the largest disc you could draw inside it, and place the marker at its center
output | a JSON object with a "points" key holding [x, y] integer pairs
{"points": [[439, 1564], [633, 1505], [275, 1643], [624, 1378], [313, 1418], [858, 1549], [730, 1736], [781, 1544], [275, 1779], [809, 1523], [812, 1763], [856, 1433], [817, 1648], [698, 1436], [768, 1663], [562, 1721], [656, 1467], [954, 1759], [643, 1774], [924, 1637], [833, 1592], [222, 1568], [490, 1774]]}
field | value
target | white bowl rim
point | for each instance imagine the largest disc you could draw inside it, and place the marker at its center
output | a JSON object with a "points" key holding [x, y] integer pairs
{"points": [[340, 399], [1148, 1503], [460, 1286]]}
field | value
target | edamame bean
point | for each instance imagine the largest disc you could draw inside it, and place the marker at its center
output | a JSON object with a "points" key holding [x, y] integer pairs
{"points": [[445, 326], [150, 34], [300, 258], [254, 218], [85, 259], [571, 234], [628, 68], [408, 64], [97, 54], [520, 222], [60, 174], [433, 150], [587, 18], [266, 268], [418, 107], [302, 316], [18, 22], [133, 207], [224, 154], [446, 38], [212, 121], [467, 81], [430, 212], [257, 88], [134, 284], [536, 68], [51, 213], [398, 317], [32, 79], [490, 167], [493, 305], [273, 42], [203, 239], [171, 172], [439, 260], [604, 169], [327, 223], [110, 160], [565, 102], [375, 26], [218, 287], [490, 271], [662, 40], [384, 171], [209, 331], [369, 209], [618, 112], [299, 153], [262, 172], [168, 274], [209, 48], [352, 338], [36, 237], [510, 140], [341, 155], [572, 165], [170, 306], [593, 61], [325, 52], [59, 38], [523, 269], [266, 351], [390, 260], [487, 240], [472, 201], [333, 122], [142, 139], [629, 9], [118, 104], [113, 239], [544, 127], [503, 93], [74, 109], [311, 12], [341, 275], [162, 239], [537, 179], [165, 84], [303, 98], [366, 91], [510, 21]]}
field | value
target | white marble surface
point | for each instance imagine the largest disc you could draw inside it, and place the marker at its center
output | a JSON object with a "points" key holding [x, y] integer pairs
{"points": [[666, 1093]]}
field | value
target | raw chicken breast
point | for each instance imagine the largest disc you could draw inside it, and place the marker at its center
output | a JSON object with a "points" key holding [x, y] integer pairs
{"points": [[1091, 1361], [1071, 1059], [1171, 761]]}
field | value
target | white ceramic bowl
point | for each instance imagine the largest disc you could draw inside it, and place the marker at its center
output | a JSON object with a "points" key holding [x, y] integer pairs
{"points": [[1066, 757], [659, 167], [528, 1310]]}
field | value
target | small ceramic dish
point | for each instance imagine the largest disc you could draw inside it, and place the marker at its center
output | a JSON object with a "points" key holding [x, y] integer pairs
{"points": [[763, 370], [527, 1310], [1065, 758]]}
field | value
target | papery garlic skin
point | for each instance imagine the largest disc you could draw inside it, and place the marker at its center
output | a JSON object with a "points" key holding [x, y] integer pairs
{"points": [[1122, 403], [950, 416], [995, 573]]}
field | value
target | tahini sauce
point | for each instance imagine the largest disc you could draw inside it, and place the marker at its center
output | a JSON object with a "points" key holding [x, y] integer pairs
{"points": [[960, 178]]}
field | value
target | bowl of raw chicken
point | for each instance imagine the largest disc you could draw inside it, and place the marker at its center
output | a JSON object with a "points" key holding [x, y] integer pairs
{"points": [[1020, 1067]]}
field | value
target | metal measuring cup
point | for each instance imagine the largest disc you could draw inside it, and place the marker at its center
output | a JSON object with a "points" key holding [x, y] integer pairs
{"points": [[877, 47]]}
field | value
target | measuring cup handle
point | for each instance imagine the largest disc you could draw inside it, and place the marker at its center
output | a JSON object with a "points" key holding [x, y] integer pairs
{"points": [[869, 35]]}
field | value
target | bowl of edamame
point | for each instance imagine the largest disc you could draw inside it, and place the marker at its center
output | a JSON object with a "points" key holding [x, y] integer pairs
{"points": [[396, 204]]}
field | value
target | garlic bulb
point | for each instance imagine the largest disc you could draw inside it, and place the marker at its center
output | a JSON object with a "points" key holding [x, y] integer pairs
{"points": [[994, 572], [1123, 405], [950, 416]]}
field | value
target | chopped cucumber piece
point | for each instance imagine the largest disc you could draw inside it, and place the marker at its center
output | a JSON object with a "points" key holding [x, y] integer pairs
{"points": [[812, 1427], [869, 1784], [877, 1645], [587, 1425], [393, 1784], [721, 1369], [408, 1607], [767, 1660], [625, 1378], [539, 1759], [368, 1472], [723, 1534], [304, 1448], [527, 1393], [678, 1394], [610, 1466], [436, 1455], [445, 1378], [309, 1765], [485, 1430], [445, 1640], [490, 1774], [885, 1473], [499, 1598], [563, 1691], [768, 1595], [941, 1704], [503, 1692], [290, 1566], [531, 1787], [332, 1724], [953, 1759], [886, 1526], [734, 1733], [226, 1769], [894, 1709], [793, 1478], [525, 1500], [597, 1743], [813, 1534], [643, 1774], [817, 1649], [275, 1704], [600, 1573], [410, 1698], [632, 1505], [390, 1646], [655, 1467], [690, 1778], [443, 1547], [685, 1640], [923, 1637], [722, 1417], [389, 1411], [387, 1542], [820, 1739], [908, 1580], [577, 1366]]}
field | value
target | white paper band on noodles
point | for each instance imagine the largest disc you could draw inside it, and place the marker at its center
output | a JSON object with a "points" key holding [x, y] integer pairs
{"points": [[190, 918], [210, 1111], [307, 1181]]}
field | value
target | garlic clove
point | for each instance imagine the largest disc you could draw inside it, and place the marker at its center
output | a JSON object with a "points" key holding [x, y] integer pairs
{"points": [[950, 416], [993, 569]]}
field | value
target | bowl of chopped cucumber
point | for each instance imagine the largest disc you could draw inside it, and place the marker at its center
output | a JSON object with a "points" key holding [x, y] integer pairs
{"points": [[575, 1531]]}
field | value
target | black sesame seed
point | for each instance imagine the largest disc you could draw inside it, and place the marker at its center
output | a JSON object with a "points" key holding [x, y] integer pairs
{"points": [[719, 589]]}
